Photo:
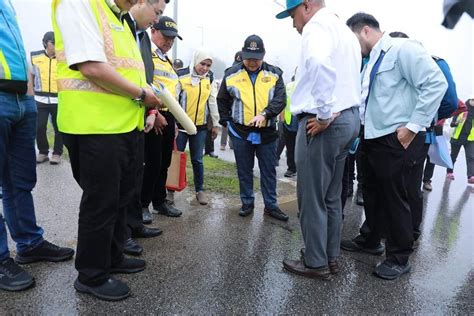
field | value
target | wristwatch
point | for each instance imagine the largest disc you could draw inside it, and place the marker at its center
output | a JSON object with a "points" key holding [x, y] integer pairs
{"points": [[142, 96], [323, 121], [264, 114]]}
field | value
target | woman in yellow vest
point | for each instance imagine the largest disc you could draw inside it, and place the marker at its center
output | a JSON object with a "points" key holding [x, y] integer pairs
{"points": [[197, 97], [463, 135]]}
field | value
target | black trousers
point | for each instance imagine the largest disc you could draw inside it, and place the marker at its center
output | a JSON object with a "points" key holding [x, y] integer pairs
{"points": [[347, 179], [209, 146], [392, 196], [429, 170], [103, 166], [353, 161], [44, 111], [134, 209], [158, 150]]}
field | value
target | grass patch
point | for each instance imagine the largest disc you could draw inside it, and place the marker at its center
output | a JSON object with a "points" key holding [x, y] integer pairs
{"points": [[220, 176]]}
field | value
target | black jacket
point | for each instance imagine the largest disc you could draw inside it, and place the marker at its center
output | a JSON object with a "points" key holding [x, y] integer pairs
{"points": [[145, 48], [274, 107]]}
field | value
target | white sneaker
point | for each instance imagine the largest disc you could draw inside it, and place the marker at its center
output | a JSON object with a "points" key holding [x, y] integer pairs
{"points": [[41, 158], [55, 160]]}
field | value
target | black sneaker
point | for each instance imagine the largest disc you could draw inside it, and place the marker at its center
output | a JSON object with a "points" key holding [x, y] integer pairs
{"points": [[111, 290], [246, 210], [129, 265], [276, 213], [45, 251], [390, 271], [290, 173], [354, 246], [13, 277], [168, 210]]}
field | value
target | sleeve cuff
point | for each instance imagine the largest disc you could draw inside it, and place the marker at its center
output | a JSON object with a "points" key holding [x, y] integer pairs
{"points": [[415, 128]]}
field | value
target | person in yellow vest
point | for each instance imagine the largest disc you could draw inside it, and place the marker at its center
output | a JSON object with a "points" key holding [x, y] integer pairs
{"points": [[198, 92], [46, 97], [251, 96], [159, 146], [463, 135], [102, 97]]}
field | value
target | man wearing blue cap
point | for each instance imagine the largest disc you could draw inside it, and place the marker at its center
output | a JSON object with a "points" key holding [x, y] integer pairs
{"points": [[326, 102]]}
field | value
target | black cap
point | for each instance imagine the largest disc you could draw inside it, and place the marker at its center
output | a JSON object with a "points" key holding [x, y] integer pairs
{"points": [[48, 36], [178, 63], [253, 48], [238, 57], [168, 27]]}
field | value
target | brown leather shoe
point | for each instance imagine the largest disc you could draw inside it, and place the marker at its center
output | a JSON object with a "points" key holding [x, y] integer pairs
{"points": [[332, 264], [298, 267]]}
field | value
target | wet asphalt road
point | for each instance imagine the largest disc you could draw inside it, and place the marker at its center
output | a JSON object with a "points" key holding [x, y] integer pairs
{"points": [[213, 261]]}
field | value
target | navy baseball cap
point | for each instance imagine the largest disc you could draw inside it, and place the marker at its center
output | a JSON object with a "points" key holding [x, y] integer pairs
{"points": [[253, 48], [168, 27], [290, 5]]}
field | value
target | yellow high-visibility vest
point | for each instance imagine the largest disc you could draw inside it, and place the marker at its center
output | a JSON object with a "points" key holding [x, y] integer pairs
{"points": [[83, 106], [290, 88], [166, 75], [193, 99], [250, 99], [44, 69], [461, 119]]}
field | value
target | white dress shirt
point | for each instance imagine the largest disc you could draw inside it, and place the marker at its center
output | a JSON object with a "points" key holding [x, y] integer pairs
{"points": [[328, 77], [82, 38]]}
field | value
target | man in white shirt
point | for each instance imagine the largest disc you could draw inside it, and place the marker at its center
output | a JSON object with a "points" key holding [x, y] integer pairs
{"points": [[102, 91], [326, 102]]}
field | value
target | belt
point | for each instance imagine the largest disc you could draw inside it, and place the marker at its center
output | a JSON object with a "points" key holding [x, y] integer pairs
{"points": [[304, 114]]}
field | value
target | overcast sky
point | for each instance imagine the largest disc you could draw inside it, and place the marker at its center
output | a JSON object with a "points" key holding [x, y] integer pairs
{"points": [[222, 25]]}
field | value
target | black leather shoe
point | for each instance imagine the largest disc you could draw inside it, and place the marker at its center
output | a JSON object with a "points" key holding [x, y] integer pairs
{"points": [[146, 232], [129, 265], [246, 210], [277, 214], [168, 210], [147, 218], [132, 248], [354, 246], [213, 155], [13, 277], [111, 290], [45, 251]]}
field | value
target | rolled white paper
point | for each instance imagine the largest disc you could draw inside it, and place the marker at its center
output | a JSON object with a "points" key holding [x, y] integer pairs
{"points": [[173, 106]]}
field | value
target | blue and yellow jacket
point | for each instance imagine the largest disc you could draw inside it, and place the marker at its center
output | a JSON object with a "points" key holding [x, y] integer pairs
{"points": [[13, 64], [194, 99], [240, 99]]}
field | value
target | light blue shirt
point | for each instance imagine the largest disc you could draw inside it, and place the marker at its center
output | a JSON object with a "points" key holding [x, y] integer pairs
{"points": [[407, 89]]}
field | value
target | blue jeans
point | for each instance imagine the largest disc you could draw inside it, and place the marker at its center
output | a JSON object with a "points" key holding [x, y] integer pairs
{"points": [[245, 153], [196, 147], [18, 172]]}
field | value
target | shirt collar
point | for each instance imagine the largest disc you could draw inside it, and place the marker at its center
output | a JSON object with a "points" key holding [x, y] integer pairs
{"points": [[384, 44], [160, 54]]}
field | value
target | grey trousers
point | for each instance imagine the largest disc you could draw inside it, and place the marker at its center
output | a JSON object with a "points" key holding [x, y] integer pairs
{"points": [[320, 164]]}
